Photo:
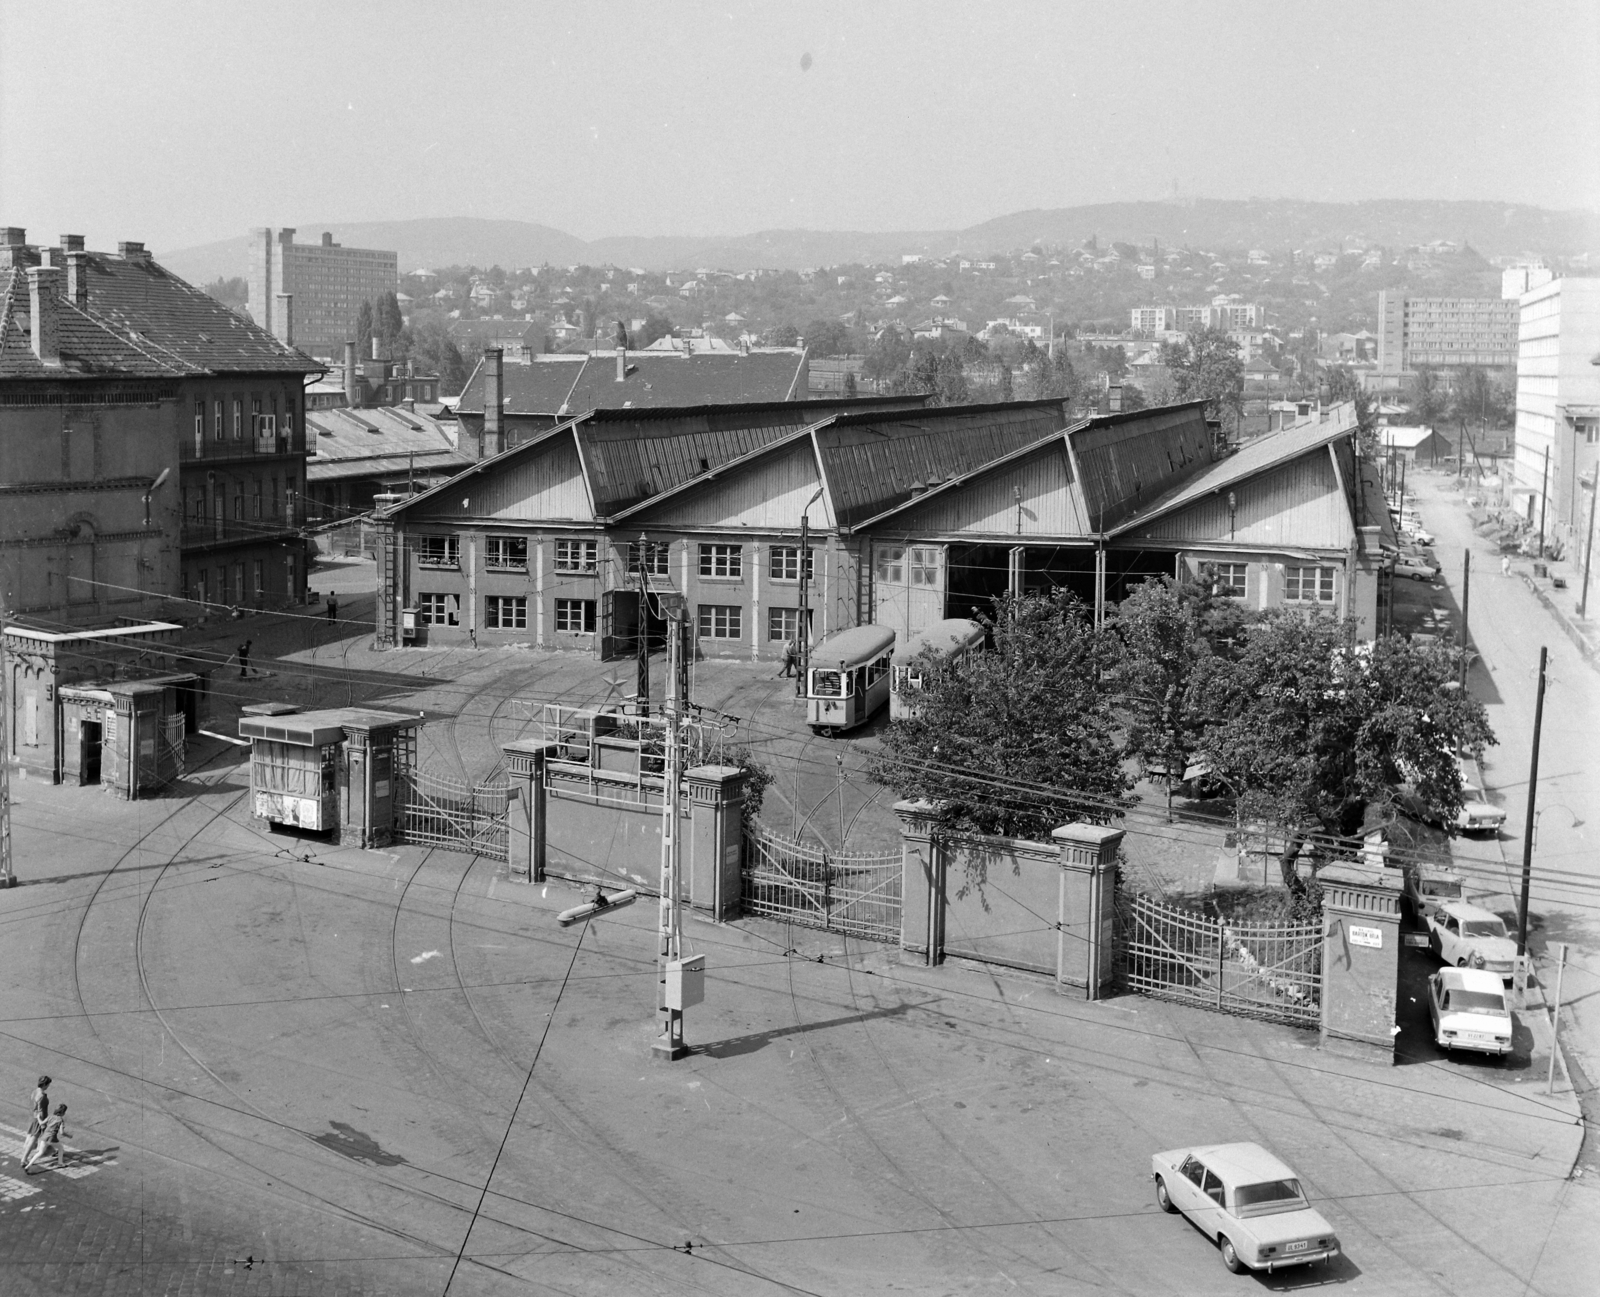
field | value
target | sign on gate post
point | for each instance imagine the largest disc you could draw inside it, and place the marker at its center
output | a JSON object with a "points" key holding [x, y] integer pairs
{"points": [[1360, 957]]}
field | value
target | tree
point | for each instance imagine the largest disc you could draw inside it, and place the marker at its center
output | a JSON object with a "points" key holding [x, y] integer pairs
{"points": [[1310, 728], [780, 335], [1426, 396], [828, 338], [655, 326], [428, 343], [363, 329], [234, 292], [1343, 385], [950, 380], [1206, 365], [1017, 740], [387, 322], [886, 357]]}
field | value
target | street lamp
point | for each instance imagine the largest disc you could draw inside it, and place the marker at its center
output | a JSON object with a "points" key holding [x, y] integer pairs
{"points": [[802, 614]]}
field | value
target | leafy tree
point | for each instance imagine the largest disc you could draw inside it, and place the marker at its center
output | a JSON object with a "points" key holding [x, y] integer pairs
{"points": [[1311, 729], [655, 326], [1343, 385], [1206, 365], [1020, 739], [387, 322], [1477, 398], [428, 343], [363, 329], [950, 380], [1133, 398], [234, 292], [780, 335], [1426, 396], [886, 357], [828, 338]]}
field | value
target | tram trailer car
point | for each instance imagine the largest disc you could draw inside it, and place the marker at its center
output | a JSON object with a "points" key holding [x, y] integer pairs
{"points": [[849, 678], [955, 637]]}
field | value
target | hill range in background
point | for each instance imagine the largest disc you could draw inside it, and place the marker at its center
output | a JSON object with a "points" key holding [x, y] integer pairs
{"points": [[1273, 224]]}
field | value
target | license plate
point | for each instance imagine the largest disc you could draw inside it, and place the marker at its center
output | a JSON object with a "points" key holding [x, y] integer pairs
{"points": [[1297, 1247]]}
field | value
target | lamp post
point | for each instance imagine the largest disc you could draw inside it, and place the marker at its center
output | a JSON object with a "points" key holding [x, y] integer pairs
{"points": [[1589, 484], [1531, 820], [803, 613]]}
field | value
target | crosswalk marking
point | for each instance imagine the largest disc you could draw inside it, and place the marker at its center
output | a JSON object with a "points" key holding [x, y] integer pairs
{"points": [[78, 1164]]}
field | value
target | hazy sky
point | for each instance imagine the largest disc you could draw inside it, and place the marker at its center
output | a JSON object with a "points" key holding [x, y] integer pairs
{"points": [[181, 123]]}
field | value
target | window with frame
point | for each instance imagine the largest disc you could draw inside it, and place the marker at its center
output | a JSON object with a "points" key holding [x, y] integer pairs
{"points": [[577, 555], [722, 560], [506, 612], [721, 621], [435, 551], [575, 616], [1308, 584], [783, 624], [891, 564], [655, 555], [255, 506], [257, 575], [199, 425], [238, 419], [217, 430], [1229, 579], [439, 609], [783, 563], [506, 553], [238, 505], [922, 562]]}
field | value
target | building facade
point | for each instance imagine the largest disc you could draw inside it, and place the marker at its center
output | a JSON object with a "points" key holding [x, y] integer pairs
{"points": [[1444, 332], [1558, 403], [327, 281]]}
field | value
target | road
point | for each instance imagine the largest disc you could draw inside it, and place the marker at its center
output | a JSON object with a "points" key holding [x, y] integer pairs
{"points": [[1508, 626]]}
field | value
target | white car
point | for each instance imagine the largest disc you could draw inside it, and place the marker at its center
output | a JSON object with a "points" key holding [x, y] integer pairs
{"points": [[1468, 1009], [1415, 568], [1478, 814], [1248, 1201], [1469, 936], [1417, 535]]}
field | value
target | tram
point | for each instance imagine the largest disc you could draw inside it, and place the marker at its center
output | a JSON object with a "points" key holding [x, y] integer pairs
{"points": [[955, 637], [849, 678]]}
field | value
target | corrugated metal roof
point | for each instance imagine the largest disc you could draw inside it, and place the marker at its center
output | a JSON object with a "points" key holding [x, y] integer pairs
{"points": [[875, 461], [1126, 460]]}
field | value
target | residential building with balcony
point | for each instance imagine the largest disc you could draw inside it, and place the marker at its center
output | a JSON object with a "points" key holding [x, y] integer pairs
{"points": [[1444, 332]]}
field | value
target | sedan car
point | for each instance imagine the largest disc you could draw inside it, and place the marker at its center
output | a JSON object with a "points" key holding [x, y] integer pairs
{"points": [[1248, 1201], [1418, 535], [1468, 1009], [1415, 568], [1469, 936], [1478, 814]]}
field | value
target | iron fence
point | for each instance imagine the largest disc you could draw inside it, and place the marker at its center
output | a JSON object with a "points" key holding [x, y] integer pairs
{"points": [[804, 883], [437, 811]]}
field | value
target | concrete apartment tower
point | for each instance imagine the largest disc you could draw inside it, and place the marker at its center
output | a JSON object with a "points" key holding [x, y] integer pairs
{"points": [[1558, 403], [327, 282]]}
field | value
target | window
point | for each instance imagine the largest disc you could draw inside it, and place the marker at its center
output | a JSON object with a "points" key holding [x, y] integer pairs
{"points": [[289, 500], [577, 556], [506, 553], [255, 507], [438, 551], [783, 624], [783, 563], [216, 425], [238, 506], [1308, 584], [656, 557], [238, 419], [257, 575], [438, 609], [721, 621], [199, 425], [506, 612], [1228, 579], [722, 560], [255, 416], [575, 616], [924, 563], [891, 567]]}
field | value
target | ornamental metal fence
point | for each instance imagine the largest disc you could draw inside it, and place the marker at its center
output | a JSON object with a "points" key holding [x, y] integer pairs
{"points": [[454, 815], [805, 883]]}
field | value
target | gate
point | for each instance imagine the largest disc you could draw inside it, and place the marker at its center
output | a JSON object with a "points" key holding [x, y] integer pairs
{"points": [[1271, 971], [438, 812], [806, 884]]}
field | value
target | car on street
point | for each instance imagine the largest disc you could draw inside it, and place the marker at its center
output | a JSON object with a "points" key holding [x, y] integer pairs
{"points": [[1413, 567], [1429, 885], [1417, 535], [1468, 1009], [1248, 1201], [1478, 814], [1469, 936]]}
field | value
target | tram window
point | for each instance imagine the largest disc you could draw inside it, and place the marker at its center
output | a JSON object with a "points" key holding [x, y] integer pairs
{"points": [[827, 684]]}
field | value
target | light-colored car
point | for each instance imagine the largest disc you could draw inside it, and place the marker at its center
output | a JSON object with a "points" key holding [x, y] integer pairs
{"points": [[1246, 1199], [1413, 567], [1478, 814], [1468, 1009], [1428, 886], [1469, 936]]}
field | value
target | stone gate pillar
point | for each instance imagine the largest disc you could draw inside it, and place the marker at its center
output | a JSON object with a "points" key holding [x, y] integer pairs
{"points": [[921, 882], [716, 838], [525, 812], [1360, 958], [1085, 914]]}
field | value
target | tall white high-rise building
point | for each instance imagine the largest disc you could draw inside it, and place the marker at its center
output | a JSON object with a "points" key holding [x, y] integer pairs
{"points": [[1558, 402]]}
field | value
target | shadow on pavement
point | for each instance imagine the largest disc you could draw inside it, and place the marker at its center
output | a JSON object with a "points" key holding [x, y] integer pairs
{"points": [[737, 1045], [1416, 1044]]}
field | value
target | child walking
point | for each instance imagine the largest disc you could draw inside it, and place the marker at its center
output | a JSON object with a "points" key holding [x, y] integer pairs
{"points": [[50, 1139]]}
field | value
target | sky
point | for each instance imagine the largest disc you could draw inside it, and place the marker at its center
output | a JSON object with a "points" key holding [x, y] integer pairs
{"points": [[182, 123]]}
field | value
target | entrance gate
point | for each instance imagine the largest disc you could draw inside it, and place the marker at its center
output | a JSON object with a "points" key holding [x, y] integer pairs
{"points": [[449, 813], [806, 884], [1270, 971]]}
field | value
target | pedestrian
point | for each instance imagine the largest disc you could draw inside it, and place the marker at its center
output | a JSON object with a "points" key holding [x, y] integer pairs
{"points": [[244, 659], [791, 658], [39, 1110], [333, 607], [50, 1141], [1505, 565]]}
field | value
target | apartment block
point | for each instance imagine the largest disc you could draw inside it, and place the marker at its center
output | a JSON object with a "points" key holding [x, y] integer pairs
{"points": [[1446, 332], [327, 281], [1558, 403]]}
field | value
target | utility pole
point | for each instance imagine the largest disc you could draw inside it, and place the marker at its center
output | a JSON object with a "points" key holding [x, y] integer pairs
{"points": [[1544, 485], [1466, 602], [803, 614], [643, 654], [1588, 545], [681, 981], [8, 874], [1528, 826]]}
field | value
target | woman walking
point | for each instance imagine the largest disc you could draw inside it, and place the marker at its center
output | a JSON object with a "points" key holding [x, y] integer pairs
{"points": [[39, 1111], [50, 1140]]}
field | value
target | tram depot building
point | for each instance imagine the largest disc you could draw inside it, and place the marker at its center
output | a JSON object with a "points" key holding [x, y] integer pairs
{"points": [[915, 514]]}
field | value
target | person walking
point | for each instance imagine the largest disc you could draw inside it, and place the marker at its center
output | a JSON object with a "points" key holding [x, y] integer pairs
{"points": [[791, 659], [244, 659], [1505, 565], [50, 1141], [333, 607], [39, 1112]]}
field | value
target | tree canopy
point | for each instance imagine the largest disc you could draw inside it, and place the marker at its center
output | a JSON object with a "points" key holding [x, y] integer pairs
{"points": [[1206, 365]]}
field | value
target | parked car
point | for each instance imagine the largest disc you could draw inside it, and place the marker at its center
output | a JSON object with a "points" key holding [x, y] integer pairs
{"points": [[1251, 1203], [1418, 535], [1415, 568], [1477, 813], [1428, 886], [1469, 936], [1468, 1009]]}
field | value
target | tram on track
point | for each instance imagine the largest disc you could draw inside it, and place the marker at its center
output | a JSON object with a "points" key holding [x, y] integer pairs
{"points": [[848, 678], [955, 638]]}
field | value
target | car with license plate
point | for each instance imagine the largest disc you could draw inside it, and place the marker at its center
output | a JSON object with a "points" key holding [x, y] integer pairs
{"points": [[1467, 1007], [1413, 567], [1247, 1200], [1478, 814], [1468, 936], [1429, 885]]}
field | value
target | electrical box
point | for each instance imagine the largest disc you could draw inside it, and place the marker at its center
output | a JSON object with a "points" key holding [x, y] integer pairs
{"points": [[408, 626], [686, 982]]}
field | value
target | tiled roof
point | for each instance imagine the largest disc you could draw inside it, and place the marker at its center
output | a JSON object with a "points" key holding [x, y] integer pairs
{"points": [[562, 387], [90, 347], [164, 313]]}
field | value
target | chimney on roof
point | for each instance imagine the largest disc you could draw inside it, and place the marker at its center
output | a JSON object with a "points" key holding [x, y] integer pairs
{"points": [[352, 390], [14, 249], [128, 250], [327, 238], [283, 318], [44, 297], [78, 276], [72, 243], [1114, 398], [375, 353], [622, 352], [494, 377]]}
